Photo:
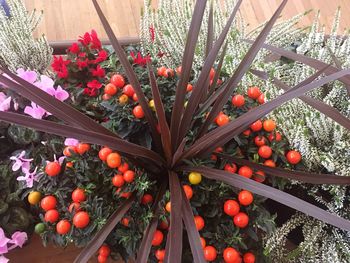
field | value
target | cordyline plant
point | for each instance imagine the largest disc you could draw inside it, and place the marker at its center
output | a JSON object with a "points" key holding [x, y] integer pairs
{"points": [[171, 154]]}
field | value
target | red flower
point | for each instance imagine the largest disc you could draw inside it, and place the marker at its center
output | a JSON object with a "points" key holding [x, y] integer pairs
{"points": [[82, 63], [152, 33], [90, 92], [82, 54], [86, 39], [74, 48], [102, 56], [139, 60], [94, 84], [98, 72], [96, 43], [60, 66]]}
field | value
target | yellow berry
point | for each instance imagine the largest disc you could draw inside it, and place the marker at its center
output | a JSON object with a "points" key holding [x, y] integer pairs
{"points": [[195, 178], [34, 197], [152, 105]]}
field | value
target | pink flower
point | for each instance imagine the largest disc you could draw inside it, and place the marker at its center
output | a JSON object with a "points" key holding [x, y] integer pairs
{"points": [[18, 239], [3, 242], [74, 48], [98, 72], [27, 75], [3, 259], [29, 177], [61, 94], [35, 111], [5, 102], [71, 142], [20, 161]]}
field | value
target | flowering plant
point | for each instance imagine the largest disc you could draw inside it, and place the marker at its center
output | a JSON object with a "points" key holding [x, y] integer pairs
{"points": [[6, 244], [82, 67], [205, 118]]}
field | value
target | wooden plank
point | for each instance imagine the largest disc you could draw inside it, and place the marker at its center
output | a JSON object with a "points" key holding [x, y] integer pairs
{"points": [[124, 15]]}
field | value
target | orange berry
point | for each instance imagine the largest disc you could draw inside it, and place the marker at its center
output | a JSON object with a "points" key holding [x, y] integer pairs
{"points": [[138, 112], [69, 150], [113, 160], [103, 153], [129, 176], [83, 148], [269, 125], [110, 89]]}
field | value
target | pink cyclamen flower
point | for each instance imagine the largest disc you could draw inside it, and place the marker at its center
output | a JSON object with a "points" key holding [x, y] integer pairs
{"points": [[3, 242], [20, 162], [27, 75], [35, 111], [5, 102], [3, 259], [61, 94], [29, 177], [18, 239], [71, 142]]}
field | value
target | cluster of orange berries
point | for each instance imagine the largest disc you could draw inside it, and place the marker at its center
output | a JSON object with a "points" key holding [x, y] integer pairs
{"points": [[117, 82], [114, 161], [80, 219]]}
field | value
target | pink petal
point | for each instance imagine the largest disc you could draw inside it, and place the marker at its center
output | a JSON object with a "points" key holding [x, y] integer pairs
{"points": [[71, 142], [2, 258], [61, 94], [29, 76], [5, 105]]}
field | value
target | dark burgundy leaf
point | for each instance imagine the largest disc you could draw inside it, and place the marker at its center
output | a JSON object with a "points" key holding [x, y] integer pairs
{"points": [[186, 65], [322, 107], [192, 232], [92, 247], [272, 193], [83, 135], [223, 134], [241, 70], [164, 128], [306, 177], [174, 241], [317, 64], [200, 89], [130, 74], [146, 243]]}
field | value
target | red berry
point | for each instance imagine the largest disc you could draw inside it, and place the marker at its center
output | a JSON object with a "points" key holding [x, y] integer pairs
{"points": [[230, 255], [63, 227], [146, 199], [265, 151], [277, 138], [245, 171], [249, 257], [199, 222], [118, 80], [129, 90], [254, 92], [293, 157], [129, 176], [101, 259], [78, 195], [231, 168], [103, 153], [269, 125], [160, 254], [260, 140], [81, 219], [157, 238], [48, 202], [51, 216], [104, 250], [256, 126], [231, 207], [52, 168], [118, 180], [261, 99], [241, 220], [245, 198], [238, 100], [210, 253]]}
